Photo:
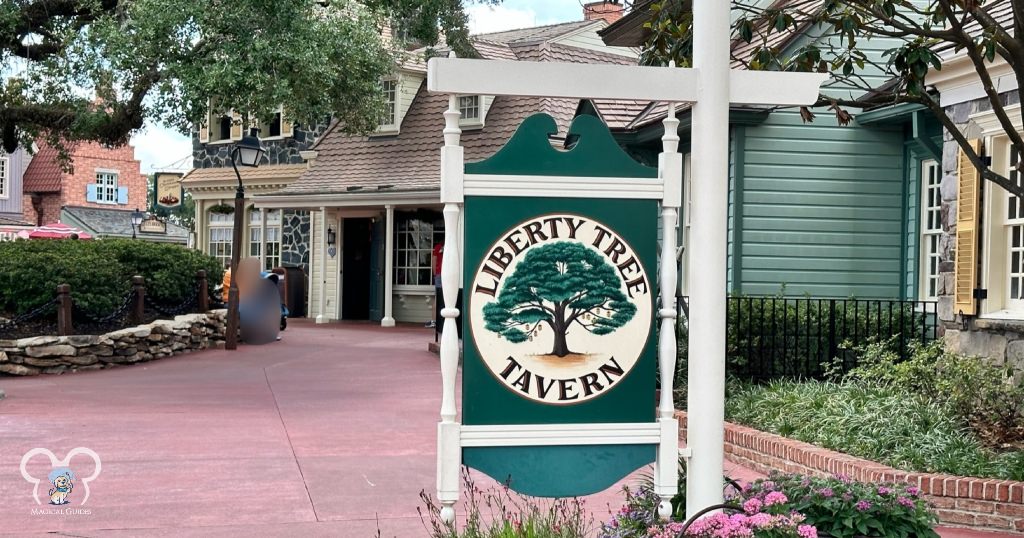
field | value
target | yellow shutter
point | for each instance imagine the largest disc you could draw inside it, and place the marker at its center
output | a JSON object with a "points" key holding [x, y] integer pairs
{"points": [[236, 126], [204, 126], [966, 233], [287, 128]]}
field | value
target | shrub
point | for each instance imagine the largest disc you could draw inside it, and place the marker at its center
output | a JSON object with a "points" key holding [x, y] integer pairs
{"points": [[880, 423], [844, 508], [982, 394], [99, 272]]}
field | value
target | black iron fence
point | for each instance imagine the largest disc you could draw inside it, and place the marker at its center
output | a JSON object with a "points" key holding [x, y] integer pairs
{"points": [[805, 337]]}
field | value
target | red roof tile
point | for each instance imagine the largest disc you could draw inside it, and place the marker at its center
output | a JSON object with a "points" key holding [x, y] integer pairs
{"points": [[44, 173]]}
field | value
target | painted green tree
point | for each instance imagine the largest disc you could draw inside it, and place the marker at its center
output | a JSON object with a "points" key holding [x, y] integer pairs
{"points": [[558, 285]]}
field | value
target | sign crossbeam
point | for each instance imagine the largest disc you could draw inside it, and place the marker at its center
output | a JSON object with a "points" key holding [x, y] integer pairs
{"points": [[712, 87], [589, 81]]}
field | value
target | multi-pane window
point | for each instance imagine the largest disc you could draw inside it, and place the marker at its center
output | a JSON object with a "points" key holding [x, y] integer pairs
{"points": [[106, 187], [219, 245], [5, 179], [414, 247], [1015, 236], [391, 103], [469, 106], [931, 228], [273, 257]]}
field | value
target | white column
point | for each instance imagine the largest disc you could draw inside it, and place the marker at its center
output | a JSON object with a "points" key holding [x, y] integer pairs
{"points": [[389, 261], [321, 316], [449, 457], [670, 168], [263, 239], [708, 226]]}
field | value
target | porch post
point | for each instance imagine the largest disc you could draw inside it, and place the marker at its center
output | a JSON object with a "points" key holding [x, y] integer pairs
{"points": [[263, 239], [321, 316], [389, 259]]}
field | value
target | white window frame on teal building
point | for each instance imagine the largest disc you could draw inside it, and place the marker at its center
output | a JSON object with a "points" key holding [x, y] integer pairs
{"points": [[931, 230]]}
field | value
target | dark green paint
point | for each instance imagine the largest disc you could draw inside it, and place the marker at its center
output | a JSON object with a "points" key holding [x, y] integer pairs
{"points": [[529, 152], [559, 471], [485, 400]]}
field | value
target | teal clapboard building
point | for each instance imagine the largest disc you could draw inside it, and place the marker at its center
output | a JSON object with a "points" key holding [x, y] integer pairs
{"points": [[815, 208]]}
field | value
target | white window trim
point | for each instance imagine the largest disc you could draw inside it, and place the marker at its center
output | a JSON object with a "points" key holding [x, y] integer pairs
{"points": [[925, 234], [473, 123], [210, 226], [393, 128], [995, 248], [5, 178], [210, 125], [256, 225], [117, 184]]}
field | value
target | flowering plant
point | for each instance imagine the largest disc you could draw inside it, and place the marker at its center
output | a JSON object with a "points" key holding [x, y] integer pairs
{"points": [[761, 518], [844, 508]]}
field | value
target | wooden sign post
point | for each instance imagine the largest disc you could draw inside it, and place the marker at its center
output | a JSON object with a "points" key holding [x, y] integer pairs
{"points": [[560, 258]]}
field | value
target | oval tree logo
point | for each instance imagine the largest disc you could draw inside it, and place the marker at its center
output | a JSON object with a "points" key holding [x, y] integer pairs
{"points": [[561, 309]]}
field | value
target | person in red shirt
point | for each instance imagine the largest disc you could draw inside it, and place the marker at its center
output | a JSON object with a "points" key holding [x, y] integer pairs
{"points": [[438, 255]]}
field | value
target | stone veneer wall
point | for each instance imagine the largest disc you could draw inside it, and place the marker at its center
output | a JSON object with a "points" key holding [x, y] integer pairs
{"points": [[162, 338], [295, 239], [980, 503], [279, 151], [1002, 341]]}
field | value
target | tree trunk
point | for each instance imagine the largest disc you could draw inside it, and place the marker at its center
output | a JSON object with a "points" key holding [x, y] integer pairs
{"points": [[561, 347]]}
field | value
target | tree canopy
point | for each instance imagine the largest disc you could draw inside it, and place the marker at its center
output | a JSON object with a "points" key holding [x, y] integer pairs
{"points": [[923, 35], [559, 284], [98, 69]]}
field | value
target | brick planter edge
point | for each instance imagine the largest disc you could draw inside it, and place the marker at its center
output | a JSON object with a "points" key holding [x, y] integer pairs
{"points": [[979, 503]]}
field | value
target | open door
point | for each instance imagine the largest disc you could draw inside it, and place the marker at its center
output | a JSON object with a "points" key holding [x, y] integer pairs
{"points": [[377, 245]]}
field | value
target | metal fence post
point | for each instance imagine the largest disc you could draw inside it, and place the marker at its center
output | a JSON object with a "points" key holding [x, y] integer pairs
{"points": [[138, 299], [64, 327], [832, 329], [202, 292]]}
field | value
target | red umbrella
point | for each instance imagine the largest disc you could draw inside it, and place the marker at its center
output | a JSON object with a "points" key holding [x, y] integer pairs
{"points": [[57, 230]]}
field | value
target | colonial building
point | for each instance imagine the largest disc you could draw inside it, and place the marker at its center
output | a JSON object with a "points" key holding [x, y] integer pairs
{"points": [[101, 186], [377, 231], [280, 238], [980, 228], [12, 170]]}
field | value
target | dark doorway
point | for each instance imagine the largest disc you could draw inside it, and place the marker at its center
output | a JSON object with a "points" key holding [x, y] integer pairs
{"points": [[355, 252]]}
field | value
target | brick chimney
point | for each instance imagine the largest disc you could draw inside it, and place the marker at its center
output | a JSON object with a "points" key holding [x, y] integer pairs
{"points": [[609, 10]]}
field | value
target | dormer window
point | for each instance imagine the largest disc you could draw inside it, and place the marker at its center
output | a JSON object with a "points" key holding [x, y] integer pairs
{"points": [[471, 108], [390, 120], [273, 125]]}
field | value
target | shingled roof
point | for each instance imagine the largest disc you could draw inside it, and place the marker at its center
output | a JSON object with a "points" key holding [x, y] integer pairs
{"points": [[44, 172], [409, 161]]}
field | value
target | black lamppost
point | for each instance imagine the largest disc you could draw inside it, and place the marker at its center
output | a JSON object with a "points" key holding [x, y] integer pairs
{"points": [[247, 152], [137, 218]]}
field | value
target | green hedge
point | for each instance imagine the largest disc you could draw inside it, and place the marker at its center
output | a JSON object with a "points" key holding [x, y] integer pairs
{"points": [[99, 272]]}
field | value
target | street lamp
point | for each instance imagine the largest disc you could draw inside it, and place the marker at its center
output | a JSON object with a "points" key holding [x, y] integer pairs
{"points": [[247, 152], [137, 218]]}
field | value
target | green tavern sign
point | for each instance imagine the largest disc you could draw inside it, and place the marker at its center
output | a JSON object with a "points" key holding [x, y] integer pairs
{"points": [[561, 309]]}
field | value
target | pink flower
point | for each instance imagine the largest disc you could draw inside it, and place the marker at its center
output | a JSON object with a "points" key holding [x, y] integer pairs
{"points": [[826, 492], [905, 501], [913, 491], [883, 491], [863, 506], [752, 506], [775, 497], [807, 531]]}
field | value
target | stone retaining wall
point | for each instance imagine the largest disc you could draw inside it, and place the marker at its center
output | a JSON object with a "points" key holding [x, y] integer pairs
{"points": [[980, 503], [162, 338]]}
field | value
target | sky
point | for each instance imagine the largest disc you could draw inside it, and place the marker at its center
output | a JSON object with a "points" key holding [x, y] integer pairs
{"points": [[162, 149]]}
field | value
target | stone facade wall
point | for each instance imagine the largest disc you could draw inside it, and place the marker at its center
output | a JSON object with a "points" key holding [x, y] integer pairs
{"points": [[1002, 341], [162, 338], [279, 151], [980, 503], [295, 239]]}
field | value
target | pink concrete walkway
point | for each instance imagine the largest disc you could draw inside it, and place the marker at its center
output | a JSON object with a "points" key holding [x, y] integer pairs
{"points": [[328, 433]]}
